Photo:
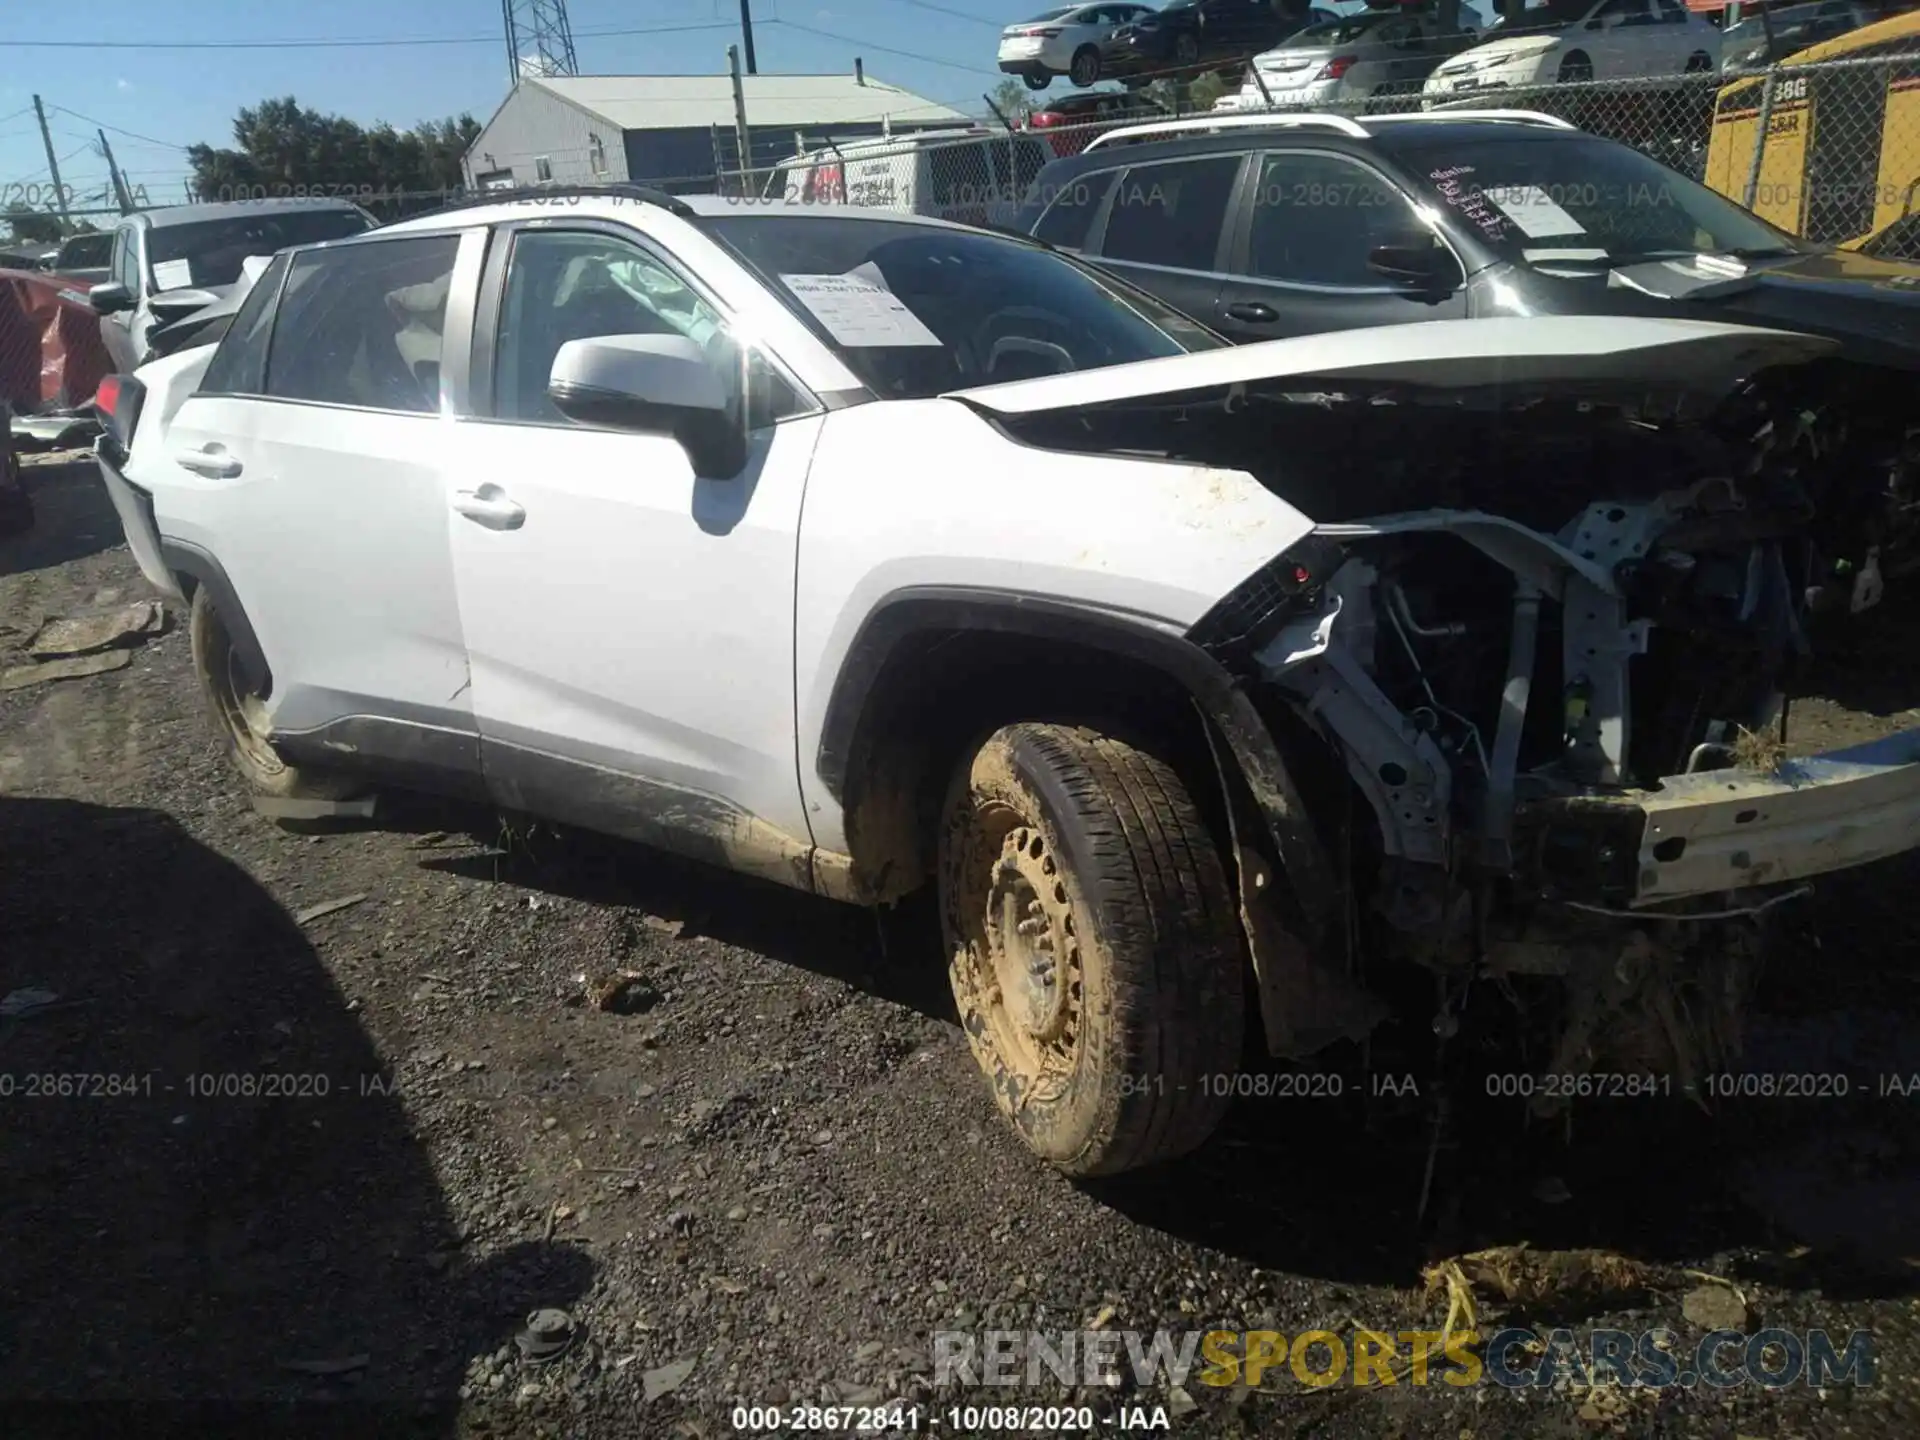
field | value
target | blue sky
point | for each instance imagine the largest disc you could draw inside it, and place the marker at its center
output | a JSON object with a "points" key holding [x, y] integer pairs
{"points": [[156, 101]]}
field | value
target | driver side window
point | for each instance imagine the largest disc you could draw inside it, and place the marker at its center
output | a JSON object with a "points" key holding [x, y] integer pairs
{"points": [[574, 285]]}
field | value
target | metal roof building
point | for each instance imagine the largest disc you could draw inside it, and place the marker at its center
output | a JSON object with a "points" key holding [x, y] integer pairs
{"points": [[678, 131]]}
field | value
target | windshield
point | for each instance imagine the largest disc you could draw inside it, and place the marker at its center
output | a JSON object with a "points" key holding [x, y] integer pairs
{"points": [[917, 310], [87, 250], [1554, 12], [1335, 32], [211, 252], [1561, 199]]}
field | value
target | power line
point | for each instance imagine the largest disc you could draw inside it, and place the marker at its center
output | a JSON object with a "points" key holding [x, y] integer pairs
{"points": [[371, 44], [131, 134], [948, 10], [868, 45]]}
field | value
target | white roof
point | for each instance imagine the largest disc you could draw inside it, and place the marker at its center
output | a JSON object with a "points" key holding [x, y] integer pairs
{"points": [[792, 102]]}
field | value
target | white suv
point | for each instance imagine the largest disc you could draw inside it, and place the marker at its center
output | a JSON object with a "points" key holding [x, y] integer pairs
{"points": [[861, 551]]}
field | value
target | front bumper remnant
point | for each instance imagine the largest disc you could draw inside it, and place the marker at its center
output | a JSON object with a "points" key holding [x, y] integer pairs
{"points": [[1719, 830], [1724, 830]]}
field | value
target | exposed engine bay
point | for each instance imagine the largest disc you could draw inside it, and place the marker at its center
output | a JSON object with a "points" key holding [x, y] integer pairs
{"points": [[1544, 646]]}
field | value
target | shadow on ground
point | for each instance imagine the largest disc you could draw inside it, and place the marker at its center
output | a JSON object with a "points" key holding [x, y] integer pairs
{"points": [[1330, 1185], [201, 1202], [72, 518], [893, 954]]}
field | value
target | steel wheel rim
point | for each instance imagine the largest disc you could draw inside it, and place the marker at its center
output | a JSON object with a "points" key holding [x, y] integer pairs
{"points": [[1032, 983]]}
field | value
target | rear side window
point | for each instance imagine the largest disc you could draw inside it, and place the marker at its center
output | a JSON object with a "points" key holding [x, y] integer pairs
{"points": [[361, 325], [1171, 213], [239, 366], [1075, 203]]}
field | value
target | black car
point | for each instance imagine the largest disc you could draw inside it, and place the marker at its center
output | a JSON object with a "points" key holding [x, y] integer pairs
{"points": [[1898, 241], [1300, 228], [1322, 223], [1191, 37]]}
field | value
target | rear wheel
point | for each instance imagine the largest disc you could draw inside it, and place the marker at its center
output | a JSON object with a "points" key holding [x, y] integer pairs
{"points": [[1085, 69], [1576, 69], [1095, 949], [1698, 63], [1037, 79], [239, 711]]}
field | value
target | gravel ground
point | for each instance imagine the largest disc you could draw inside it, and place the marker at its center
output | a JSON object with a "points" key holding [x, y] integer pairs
{"points": [[340, 1157]]}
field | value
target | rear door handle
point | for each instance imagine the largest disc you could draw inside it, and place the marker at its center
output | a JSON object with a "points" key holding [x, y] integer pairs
{"points": [[490, 506], [1253, 312], [211, 460]]}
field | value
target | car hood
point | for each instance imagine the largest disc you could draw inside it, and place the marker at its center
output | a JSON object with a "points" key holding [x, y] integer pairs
{"points": [[1871, 307], [1531, 41], [1509, 353]]}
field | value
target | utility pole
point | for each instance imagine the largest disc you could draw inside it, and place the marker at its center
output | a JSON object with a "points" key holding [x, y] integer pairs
{"points": [[740, 137], [46, 138], [746, 34], [120, 195]]}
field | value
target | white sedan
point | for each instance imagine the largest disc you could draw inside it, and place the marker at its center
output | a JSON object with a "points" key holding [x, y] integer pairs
{"points": [[1063, 42], [1570, 41]]}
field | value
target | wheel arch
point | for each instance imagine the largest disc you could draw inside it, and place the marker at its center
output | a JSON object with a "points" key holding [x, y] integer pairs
{"points": [[934, 667], [197, 567]]}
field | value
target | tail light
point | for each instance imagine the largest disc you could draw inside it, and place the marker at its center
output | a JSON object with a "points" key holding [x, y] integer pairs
{"points": [[1046, 119], [1048, 34], [118, 402], [1337, 67]]}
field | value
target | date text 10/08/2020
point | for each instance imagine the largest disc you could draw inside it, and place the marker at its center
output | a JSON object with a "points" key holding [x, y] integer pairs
{"points": [[1590, 1085], [902, 1419]]}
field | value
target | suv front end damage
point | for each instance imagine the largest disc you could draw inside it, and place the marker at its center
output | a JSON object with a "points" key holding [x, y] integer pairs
{"points": [[1532, 673]]}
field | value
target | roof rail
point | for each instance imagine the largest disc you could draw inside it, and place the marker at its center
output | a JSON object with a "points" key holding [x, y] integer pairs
{"points": [[644, 194], [1512, 117], [1199, 124]]}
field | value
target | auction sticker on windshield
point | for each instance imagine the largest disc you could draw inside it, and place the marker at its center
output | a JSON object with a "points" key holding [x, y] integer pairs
{"points": [[857, 312], [172, 274], [1534, 211]]}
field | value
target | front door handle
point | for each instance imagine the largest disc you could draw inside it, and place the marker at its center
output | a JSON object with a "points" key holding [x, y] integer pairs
{"points": [[1253, 312], [490, 506], [211, 460]]}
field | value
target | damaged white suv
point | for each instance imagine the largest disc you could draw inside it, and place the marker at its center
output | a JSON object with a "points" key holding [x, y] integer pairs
{"points": [[1211, 686]]}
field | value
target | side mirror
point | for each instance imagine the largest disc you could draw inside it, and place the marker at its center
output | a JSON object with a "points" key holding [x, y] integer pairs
{"points": [[109, 298], [1413, 261], [657, 384]]}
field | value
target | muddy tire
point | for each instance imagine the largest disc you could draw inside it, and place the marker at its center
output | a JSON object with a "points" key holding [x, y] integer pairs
{"points": [[238, 715], [1094, 948]]}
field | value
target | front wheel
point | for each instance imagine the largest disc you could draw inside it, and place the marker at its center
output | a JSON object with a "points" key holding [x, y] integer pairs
{"points": [[1186, 51], [239, 712], [1085, 69], [1576, 69], [1095, 948]]}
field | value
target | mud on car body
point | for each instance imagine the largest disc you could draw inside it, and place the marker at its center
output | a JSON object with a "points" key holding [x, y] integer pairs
{"points": [[1208, 686]]}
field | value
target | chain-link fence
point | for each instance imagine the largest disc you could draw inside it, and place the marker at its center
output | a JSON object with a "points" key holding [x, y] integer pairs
{"points": [[1830, 150]]}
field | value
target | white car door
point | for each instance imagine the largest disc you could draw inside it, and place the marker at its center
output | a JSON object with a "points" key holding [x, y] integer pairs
{"points": [[307, 468], [629, 623]]}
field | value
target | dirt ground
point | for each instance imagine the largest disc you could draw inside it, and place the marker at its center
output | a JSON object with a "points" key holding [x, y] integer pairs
{"points": [[780, 1167]]}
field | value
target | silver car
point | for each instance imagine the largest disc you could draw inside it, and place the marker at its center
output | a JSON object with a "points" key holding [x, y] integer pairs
{"points": [[1376, 53]]}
